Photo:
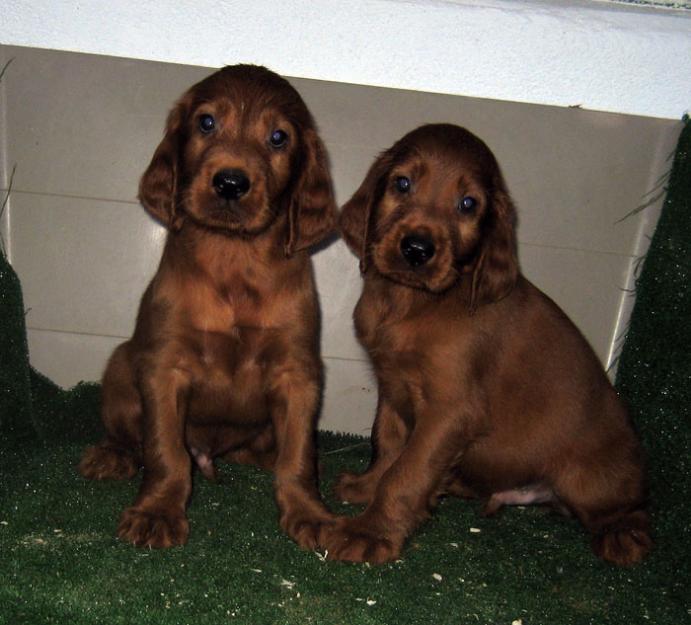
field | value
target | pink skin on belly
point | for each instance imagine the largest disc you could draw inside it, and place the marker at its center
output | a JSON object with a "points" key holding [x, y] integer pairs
{"points": [[524, 496], [205, 463]]}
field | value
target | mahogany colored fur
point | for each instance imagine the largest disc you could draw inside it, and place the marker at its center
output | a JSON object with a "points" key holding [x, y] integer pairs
{"points": [[224, 360], [486, 389]]}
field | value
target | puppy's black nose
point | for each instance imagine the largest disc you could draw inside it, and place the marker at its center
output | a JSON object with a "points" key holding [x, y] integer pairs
{"points": [[231, 184], [416, 249]]}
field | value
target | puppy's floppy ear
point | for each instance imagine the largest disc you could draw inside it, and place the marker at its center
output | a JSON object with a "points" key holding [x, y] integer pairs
{"points": [[159, 184], [356, 214], [312, 208], [496, 269]]}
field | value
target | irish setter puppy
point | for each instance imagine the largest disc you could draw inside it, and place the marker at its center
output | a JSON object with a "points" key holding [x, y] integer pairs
{"points": [[486, 389], [224, 360]]}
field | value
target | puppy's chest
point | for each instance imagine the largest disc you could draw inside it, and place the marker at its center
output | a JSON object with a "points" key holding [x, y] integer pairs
{"points": [[396, 350], [233, 336], [389, 337], [225, 309], [414, 355]]}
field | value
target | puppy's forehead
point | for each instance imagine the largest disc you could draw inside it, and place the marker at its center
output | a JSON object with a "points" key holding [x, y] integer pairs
{"points": [[251, 90], [441, 168], [243, 112], [445, 148]]}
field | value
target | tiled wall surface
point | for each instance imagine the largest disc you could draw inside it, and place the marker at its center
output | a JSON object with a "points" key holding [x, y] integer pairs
{"points": [[81, 129]]}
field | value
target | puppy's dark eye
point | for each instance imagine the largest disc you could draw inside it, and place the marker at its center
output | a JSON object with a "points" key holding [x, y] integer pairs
{"points": [[402, 184], [467, 205], [206, 123], [278, 138]]}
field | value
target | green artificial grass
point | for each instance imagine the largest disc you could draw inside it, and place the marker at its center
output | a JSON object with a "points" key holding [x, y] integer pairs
{"points": [[16, 415], [60, 561]]}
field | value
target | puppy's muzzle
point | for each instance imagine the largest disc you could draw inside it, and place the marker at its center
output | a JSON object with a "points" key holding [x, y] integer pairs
{"points": [[417, 249], [231, 184]]}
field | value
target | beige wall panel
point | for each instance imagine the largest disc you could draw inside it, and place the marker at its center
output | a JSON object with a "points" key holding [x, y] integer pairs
{"points": [[84, 264], [70, 358], [586, 285], [339, 284], [350, 397], [4, 170], [85, 125], [349, 165]]}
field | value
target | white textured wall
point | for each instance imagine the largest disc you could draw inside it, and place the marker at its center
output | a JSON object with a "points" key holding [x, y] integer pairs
{"points": [[601, 56]]}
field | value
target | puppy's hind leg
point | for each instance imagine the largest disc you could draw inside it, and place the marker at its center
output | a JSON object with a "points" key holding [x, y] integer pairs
{"points": [[609, 501], [260, 451], [118, 456]]}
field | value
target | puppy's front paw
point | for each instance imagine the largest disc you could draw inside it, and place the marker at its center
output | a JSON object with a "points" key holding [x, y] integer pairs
{"points": [[153, 528], [357, 540], [305, 526], [353, 488]]}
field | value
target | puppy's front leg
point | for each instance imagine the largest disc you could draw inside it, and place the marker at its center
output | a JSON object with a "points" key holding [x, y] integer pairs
{"points": [[402, 495], [157, 517], [294, 399], [389, 436]]}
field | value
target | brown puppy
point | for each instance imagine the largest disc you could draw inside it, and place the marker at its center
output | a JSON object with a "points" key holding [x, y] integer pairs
{"points": [[224, 360], [486, 389]]}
